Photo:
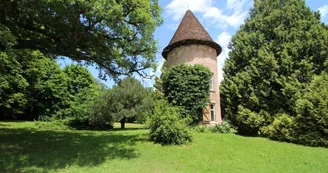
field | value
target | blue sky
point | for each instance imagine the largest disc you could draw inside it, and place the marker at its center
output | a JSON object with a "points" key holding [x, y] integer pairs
{"points": [[221, 19]]}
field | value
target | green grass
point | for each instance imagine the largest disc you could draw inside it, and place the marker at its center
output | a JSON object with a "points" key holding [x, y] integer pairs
{"points": [[26, 148]]}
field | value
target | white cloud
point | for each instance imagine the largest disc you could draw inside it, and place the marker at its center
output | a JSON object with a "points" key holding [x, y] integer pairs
{"points": [[237, 18], [235, 4], [177, 8], [223, 40], [158, 71], [216, 16], [323, 10], [220, 74]]}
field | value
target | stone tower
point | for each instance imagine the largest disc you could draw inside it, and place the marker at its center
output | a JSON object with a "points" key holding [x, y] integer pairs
{"points": [[191, 44]]}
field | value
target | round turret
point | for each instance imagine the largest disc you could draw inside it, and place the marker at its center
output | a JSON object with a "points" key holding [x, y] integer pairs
{"points": [[191, 44]]}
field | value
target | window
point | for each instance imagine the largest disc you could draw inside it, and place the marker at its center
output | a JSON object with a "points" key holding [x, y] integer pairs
{"points": [[212, 108], [212, 84]]}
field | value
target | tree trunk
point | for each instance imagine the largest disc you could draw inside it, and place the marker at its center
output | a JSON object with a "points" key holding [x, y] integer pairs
{"points": [[122, 123]]}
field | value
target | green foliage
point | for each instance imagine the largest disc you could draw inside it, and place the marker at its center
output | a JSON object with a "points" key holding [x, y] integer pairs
{"points": [[116, 35], [167, 126], [201, 129], [81, 91], [100, 114], [86, 123], [224, 127], [53, 125], [13, 85], [128, 99], [272, 60], [187, 86], [158, 93], [248, 122], [312, 113], [32, 86], [281, 128], [7, 40]]}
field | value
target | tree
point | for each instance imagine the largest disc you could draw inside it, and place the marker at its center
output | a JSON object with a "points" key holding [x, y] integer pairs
{"points": [[273, 58], [116, 35], [79, 79], [13, 86], [32, 86], [188, 86], [125, 99], [81, 87]]}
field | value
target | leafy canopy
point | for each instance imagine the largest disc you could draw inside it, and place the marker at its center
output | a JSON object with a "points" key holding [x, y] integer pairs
{"points": [[128, 99], [32, 86], [116, 35]]}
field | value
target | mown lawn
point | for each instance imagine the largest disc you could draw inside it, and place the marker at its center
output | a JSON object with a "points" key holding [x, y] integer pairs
{"points": [[26, 148]]}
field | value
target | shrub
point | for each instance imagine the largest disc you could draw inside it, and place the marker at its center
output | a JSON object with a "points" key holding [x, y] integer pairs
{"points": [[52, 125], [312, 113], [167, 126], [281, 128], [84, 123], [201, 129], [224, 127], [248, 122], [187, 86], [310, 124]]}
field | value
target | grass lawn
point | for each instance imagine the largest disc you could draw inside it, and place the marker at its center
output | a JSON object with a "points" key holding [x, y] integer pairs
{"points": [[26, 148]]}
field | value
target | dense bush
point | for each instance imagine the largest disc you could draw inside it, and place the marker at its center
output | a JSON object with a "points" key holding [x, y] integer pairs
{"points": [[249, 122], [167, 126], [85, 123], [311, 121], [310, 125], [201, 129], [281, 128], [53, 125], [187, 86], [224, 127]]}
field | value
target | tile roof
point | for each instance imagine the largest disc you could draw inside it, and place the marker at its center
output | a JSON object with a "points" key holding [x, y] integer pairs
{"points": [[190, 31]]}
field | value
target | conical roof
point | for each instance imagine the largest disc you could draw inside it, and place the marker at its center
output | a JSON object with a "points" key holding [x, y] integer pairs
{"points": [[190, 31]]}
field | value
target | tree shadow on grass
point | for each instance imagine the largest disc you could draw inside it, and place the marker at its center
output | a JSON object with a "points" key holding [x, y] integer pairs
{"points": [[32, 150]]}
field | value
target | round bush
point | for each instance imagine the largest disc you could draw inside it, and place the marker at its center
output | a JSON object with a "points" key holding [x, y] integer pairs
{"points": [[167, 127], [224, 127]]}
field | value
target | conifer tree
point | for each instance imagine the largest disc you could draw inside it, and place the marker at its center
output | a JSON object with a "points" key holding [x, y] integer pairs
{"points": [[273, 58]]}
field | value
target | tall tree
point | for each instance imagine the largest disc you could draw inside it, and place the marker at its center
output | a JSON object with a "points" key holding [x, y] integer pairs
{"points": [[273, 58], [13, 86], [116, 35], [31, 85], [126, 99], [81, 88]]}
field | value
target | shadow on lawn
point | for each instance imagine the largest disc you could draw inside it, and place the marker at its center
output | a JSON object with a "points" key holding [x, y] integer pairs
{"points": [[31, 150]]}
